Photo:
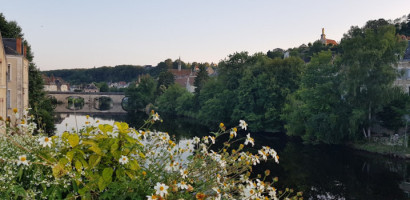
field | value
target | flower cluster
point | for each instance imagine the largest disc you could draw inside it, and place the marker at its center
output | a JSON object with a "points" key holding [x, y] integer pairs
{"points": [[104, 160]]}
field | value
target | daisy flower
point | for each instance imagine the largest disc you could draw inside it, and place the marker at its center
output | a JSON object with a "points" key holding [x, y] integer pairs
{"points": [[22, 160], [243, 124], [161, 189], [123, 160], [45, 141]]}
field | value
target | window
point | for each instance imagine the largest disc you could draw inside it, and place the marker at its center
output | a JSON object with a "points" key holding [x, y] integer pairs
{"points": [[8, 99], [8, 72]]}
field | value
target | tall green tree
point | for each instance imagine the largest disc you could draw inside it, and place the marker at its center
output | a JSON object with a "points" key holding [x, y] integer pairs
{"points": [[316, 111], [200, 79], [368, 58], [40, 104], [141, 95]]}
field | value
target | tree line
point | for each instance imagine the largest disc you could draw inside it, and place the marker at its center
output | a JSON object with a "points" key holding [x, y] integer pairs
{"points": [[330, 94]]}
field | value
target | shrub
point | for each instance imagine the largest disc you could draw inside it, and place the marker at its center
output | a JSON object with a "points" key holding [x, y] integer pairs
{"points": [[102, 161]]}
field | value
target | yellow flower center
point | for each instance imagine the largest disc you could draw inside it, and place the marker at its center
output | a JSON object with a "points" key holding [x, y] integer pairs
{"points": [[23, 159], [251, 192], [161, 188], [124, 159], [46, 139]]}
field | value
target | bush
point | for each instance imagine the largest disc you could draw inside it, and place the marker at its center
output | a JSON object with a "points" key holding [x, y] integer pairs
{"points": [[101, 161]]}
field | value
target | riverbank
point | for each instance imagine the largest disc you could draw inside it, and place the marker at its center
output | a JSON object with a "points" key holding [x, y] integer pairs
{"points": [[386, 150]]}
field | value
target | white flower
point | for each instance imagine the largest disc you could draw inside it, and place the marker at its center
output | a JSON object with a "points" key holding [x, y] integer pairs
{"points": [[123, 160], [155, 117], [249, 140], [45, 141], [243, 124], [152, 197], [212, 138], [249, 192], [233, 133], [196, 140], [161, 189], [22, 160], [184, 173], [183, 185]]}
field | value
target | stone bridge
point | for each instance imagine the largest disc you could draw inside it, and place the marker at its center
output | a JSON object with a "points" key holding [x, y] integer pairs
{"points": [[89, 101]]}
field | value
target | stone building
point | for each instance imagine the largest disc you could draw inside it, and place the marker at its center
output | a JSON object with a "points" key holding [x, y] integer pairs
{"points": [[55, 84], [326, 41], [403, 67], [13, 76]]}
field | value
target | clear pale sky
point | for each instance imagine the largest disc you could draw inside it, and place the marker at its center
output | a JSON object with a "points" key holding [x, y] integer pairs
{"points": [[94, 33]]}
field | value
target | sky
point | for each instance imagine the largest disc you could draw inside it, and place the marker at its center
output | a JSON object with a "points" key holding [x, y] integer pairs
{"points": [[93, 33]]}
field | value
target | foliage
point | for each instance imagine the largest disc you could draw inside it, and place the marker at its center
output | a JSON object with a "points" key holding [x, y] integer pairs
{"points": [[316, 111], [106, 74], [101, 161], [165, 79], [369, 54], [41, 105], [140, 95]]}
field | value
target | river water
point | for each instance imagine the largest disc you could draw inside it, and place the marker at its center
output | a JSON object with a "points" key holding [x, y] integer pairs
{"points": [[320, 171]]}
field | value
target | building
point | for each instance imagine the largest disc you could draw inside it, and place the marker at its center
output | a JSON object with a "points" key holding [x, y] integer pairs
{"points": [[55, 84], [326, 41], [13, 76], [91, 88], [403, 67], [3, 84]]}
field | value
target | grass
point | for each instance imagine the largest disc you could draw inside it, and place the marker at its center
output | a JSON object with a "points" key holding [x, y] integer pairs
{"points": [[373, 147]]}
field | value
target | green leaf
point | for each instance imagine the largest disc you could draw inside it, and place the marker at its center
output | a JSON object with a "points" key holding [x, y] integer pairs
{"points": [[94, 160], [130, 174], [75, 186], [105, 128], [122, 127], [70, 155], [58, 170], [114, 147], [73, 139], [96, 149], [134, 165], [101, 184], [20, 173], [78, 165], [107, 174]]}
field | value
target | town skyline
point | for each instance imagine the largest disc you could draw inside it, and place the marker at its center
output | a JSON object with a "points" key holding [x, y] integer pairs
{"points": [[66, 35]]}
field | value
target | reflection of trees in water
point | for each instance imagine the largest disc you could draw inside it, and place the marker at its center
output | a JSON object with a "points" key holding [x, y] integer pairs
{"points": [[75, 103], [103, 103], [340, 172]]}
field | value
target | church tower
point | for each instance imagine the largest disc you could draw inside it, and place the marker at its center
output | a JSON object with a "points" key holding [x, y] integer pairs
{"points": [[179, 64], [323, 36]]}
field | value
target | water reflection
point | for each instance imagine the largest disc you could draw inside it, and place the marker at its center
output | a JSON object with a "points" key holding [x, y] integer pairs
{"points": [[320, 171]]}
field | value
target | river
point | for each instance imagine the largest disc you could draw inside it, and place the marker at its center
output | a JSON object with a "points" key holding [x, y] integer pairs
{"points": [[320, 171]]}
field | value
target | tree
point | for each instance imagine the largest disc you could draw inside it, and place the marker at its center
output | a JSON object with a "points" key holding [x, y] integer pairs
{"points": [[165, 79], [41, 105], [316, 111], [368, 56], [200, 79], [103, 87], [141, 95]]}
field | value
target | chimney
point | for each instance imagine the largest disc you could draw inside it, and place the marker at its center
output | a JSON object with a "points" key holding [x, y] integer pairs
{"points": [[25, 50], [18, 46]]}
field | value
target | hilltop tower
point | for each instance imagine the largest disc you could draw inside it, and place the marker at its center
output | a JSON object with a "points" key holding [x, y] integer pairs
{"points": [[179, 63], [326, 41]]}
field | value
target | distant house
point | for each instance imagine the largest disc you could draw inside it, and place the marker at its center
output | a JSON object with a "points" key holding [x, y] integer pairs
{"points": [[91, 88], [403, 67], [55, 84], [13, 76], [326, 41], [184, 77]]}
